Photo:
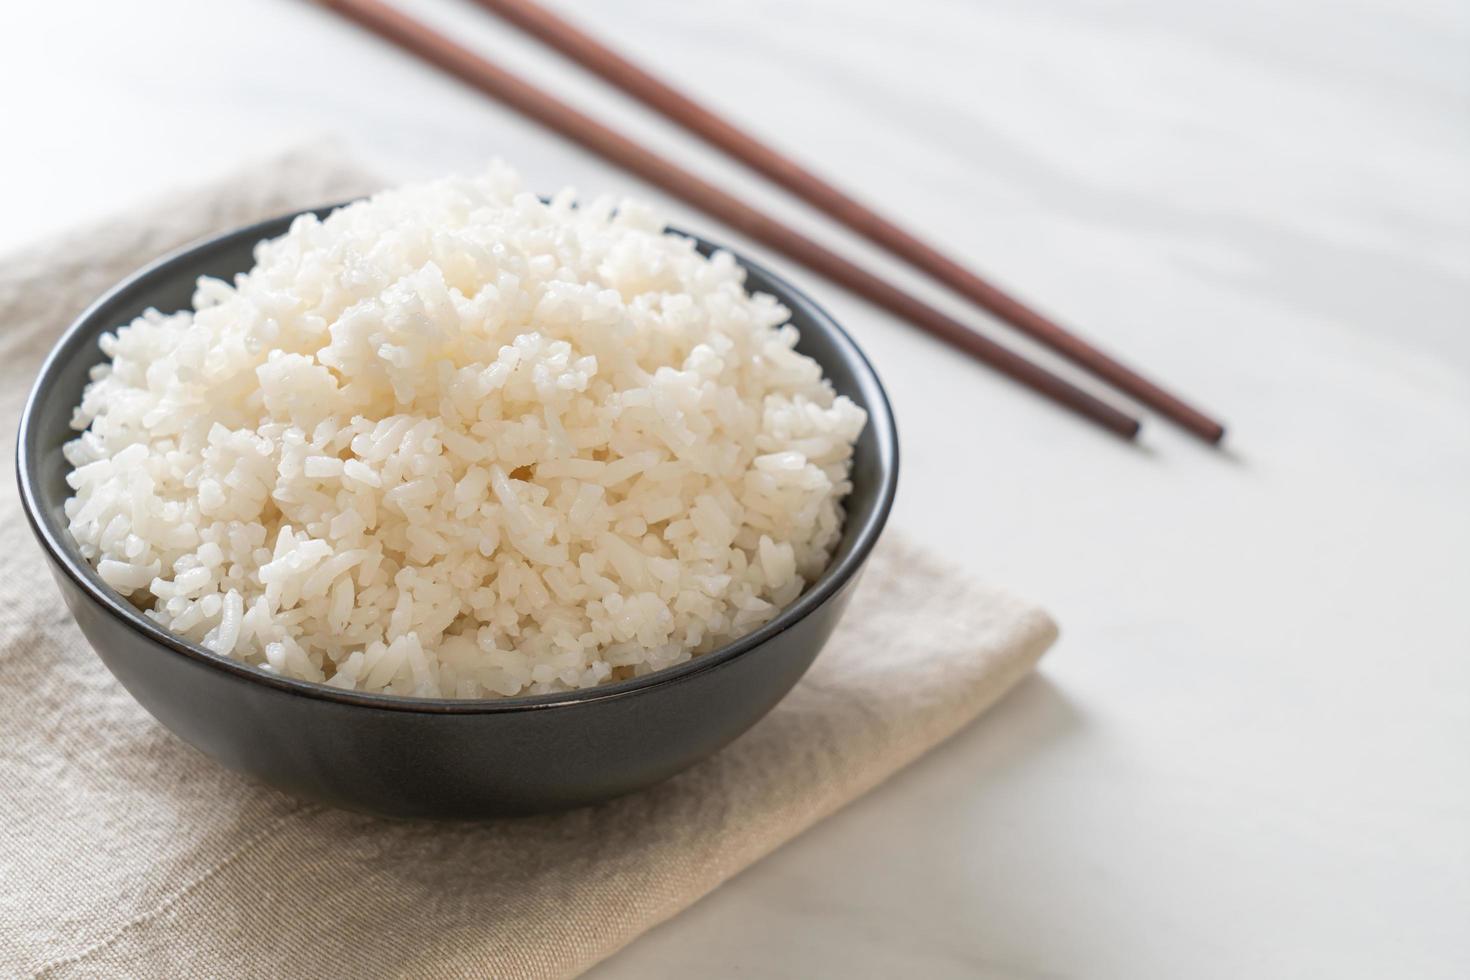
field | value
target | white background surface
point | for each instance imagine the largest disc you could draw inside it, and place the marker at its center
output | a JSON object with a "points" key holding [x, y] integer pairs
{"points": [[1250, 753]]}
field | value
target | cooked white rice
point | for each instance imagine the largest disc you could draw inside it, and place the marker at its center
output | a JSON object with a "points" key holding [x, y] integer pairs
{"points": [[453, 441]]}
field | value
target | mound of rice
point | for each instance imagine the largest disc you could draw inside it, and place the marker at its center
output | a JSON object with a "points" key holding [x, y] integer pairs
{"points": [[453, 441]]}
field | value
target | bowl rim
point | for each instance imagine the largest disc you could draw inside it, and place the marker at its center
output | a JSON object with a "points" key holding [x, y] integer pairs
{"points": [[837, 574]]}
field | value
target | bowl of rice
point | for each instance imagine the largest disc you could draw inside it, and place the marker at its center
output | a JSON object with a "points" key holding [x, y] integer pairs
{"points": [[456, 501]]}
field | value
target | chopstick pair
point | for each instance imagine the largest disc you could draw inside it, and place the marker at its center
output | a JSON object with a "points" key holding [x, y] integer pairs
{"points": [[470, 67]]}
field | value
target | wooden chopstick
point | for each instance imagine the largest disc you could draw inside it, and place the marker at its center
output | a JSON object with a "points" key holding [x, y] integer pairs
{"points": [[439, 50], [658, 95]]}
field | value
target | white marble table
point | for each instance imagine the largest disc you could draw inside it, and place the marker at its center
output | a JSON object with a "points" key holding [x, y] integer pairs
{"points": [[1250, 754]]}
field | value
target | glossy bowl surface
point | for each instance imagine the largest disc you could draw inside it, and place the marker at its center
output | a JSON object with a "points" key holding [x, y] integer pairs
{"points": [[422, 757]]}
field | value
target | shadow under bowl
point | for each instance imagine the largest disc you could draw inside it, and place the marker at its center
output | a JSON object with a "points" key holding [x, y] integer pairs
{"points": [[422, 757]]}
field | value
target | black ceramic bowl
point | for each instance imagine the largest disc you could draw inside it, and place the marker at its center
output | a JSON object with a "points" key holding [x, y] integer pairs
{"points": [[421, 757]]}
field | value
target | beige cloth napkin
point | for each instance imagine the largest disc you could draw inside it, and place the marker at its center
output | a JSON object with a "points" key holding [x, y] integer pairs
{"points": [[123, 851]]}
